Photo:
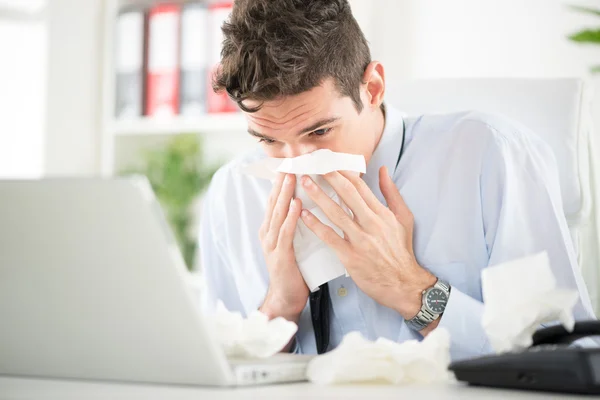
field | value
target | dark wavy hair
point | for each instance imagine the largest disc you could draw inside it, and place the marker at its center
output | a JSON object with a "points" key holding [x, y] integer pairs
{"points": [[278, 48]]}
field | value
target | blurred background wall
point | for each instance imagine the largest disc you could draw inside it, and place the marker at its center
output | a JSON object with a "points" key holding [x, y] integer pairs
{"points": [[23, 79], [52, 74], [477, 38]]}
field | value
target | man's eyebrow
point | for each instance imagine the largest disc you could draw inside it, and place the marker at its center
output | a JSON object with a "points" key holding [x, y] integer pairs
{"points": [[311, 128], [260, 135], [318, 124]]}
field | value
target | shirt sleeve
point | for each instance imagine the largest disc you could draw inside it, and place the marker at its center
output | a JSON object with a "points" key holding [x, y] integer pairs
{"points": [[462, 318], [522, 215], [218, 278]]}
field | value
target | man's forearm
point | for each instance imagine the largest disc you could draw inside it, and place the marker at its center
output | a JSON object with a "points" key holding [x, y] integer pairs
{"points": [[273, 309]]}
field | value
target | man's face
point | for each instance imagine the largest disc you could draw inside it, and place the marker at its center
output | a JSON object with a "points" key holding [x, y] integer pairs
{"points": [[317, 119]]}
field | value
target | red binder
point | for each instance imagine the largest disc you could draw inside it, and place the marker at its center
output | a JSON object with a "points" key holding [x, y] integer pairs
{"points": [[218, 13], [162, 95]]}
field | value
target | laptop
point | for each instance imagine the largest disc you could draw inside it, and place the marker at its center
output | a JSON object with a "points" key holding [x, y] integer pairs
{"points": [[93, 287]]}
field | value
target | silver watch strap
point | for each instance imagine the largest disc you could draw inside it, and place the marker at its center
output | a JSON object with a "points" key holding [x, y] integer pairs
{"points": [[421, 320], [425, 317], [445, 286]]}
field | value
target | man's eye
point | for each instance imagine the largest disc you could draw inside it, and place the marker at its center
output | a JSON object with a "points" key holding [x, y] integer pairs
{"points": [[321, 132], [266, 141]]}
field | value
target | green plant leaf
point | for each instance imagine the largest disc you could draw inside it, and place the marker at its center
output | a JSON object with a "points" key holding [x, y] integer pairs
{"points": [[178, 173], [586, 10], [595, 69], [586, 36]]}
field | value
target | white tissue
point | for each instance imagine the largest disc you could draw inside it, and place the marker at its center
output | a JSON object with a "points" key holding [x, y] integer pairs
{"points": [[317, 262], [254, 337], [519, 296], [384, 361]]}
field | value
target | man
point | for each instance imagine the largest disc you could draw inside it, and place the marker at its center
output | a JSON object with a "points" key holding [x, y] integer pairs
{"points": [[476, 190]]}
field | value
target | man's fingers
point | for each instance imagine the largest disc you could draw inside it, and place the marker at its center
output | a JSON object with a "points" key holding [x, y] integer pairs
{"points": [[332, 210], [394, 200], [288, 229], [282, 205], [348, 192], [326, 234], [364, 190], [272, 201]]}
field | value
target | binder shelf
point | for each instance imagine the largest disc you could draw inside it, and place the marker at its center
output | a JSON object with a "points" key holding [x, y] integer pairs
{"points": [[207, 124], [158, 61]]}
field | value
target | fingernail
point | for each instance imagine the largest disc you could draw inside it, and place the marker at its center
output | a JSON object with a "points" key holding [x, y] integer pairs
{"points": [[288, 179], [293, 205], [305, 214], [306, 181]]}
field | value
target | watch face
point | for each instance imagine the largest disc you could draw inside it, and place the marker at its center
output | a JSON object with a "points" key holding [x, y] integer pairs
{"points": [[437, 300]]}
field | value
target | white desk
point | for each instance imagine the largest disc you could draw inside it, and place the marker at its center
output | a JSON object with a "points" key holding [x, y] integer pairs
{"points": [[39, 389]]}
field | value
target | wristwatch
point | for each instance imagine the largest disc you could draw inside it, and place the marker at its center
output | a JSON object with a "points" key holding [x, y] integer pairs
{"points": [[433, 304]]}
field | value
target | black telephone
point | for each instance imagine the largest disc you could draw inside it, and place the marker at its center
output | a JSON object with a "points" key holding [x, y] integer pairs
{"points": [[548, 365]]}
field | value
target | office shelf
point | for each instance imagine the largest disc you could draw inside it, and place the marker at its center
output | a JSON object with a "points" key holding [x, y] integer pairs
{"points": [[207, 124]]}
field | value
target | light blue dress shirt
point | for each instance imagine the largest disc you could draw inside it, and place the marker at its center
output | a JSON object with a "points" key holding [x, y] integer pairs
{"points": [[483, 190]]}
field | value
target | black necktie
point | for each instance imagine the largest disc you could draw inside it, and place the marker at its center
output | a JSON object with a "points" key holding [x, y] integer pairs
{"points": [[320, 301], [319, 312]]}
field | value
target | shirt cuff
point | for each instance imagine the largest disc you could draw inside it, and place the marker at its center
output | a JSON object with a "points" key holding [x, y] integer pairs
{"points": [[462, 319]]}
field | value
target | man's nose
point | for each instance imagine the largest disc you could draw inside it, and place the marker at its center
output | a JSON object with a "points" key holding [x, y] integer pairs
{"points": [[297, 150]]}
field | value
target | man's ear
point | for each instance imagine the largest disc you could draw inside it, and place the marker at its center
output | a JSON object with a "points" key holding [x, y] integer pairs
{"points": [[374, 83]]}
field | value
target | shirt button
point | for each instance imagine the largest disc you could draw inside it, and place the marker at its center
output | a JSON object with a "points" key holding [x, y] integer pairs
{"points": [[342, 292]]}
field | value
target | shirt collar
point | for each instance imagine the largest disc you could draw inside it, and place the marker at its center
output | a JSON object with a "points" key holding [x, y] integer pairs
{"points": [[387, 151]]}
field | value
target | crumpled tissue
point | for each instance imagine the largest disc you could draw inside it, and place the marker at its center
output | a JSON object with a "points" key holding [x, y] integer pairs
{"points": [[359, 360], [316, 261], [254, 337], [519, 296]]}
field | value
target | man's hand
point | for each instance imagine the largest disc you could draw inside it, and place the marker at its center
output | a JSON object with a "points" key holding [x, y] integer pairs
{"points": [[288, 293], [377, 247]]}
